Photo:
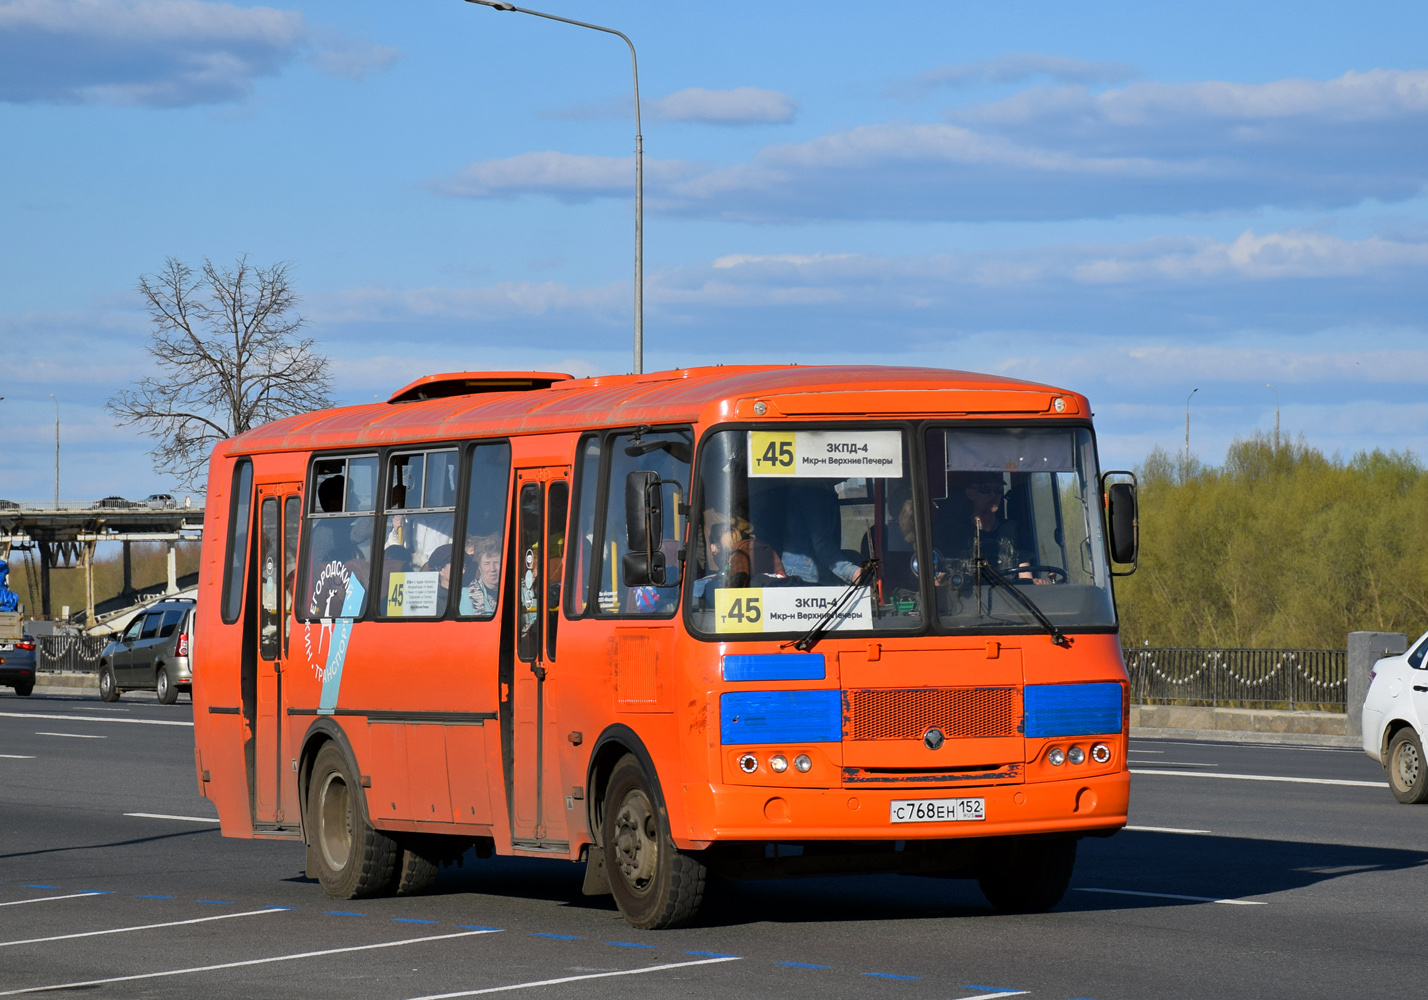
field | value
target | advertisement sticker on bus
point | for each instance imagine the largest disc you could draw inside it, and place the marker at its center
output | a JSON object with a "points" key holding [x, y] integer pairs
{"points": [[825, 454], [787, 609]]}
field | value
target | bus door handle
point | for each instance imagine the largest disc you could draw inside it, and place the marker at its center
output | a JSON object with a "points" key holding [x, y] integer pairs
{"points": [[538, 670], [1420, 687]]}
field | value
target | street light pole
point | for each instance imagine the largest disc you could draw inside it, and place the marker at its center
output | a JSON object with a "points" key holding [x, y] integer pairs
{"points": [[1276, 414], [639, 168], [52, 396], [1186, 473]]}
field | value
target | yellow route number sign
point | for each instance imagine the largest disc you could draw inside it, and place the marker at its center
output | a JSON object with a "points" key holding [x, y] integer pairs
{"points": [[772, 453], [739, 609]]}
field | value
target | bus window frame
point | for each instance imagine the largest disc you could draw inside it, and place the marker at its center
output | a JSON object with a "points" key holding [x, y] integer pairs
{"points": [[467, 453], [235, 498], [572, 530], [300, 595], [927, 426], [602, 514], [384, 513], [911, 430]]}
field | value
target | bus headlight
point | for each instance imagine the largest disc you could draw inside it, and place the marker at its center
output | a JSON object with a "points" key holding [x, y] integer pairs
{"points": [[748, 763], [802, 763], [1076, 755], [779, 763], [1056, 756], [1100, 753]]}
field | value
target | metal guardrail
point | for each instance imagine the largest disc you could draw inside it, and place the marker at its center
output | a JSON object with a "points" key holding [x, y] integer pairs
{"points": [[1304, 679], [69, 652]]}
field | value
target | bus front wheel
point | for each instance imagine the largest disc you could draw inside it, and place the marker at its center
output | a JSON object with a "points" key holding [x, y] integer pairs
{"points": [[1028, 875], [348, 856], [654, 884]]}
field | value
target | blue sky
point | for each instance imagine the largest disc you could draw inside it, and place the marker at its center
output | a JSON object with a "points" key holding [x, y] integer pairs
{"points": [[1129, 200]]}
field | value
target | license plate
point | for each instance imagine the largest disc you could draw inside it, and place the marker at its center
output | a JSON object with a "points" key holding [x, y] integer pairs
{"points": [[937, 810]]}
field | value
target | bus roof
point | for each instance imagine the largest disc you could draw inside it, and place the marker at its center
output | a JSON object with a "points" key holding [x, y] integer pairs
{"points": [[496, 403]]}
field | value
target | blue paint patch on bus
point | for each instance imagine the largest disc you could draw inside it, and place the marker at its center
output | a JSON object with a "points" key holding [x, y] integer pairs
{"points": [[1072, 709], [754, 717], [775, 667]]}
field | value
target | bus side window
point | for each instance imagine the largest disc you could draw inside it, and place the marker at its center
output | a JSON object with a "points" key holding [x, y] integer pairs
{"points": [[238, 516], [667, 453], [339, 558], [577, 587], [485, 530]]}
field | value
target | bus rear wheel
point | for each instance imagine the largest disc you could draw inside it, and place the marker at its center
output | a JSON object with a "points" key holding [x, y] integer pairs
{"points": [[350, 858], [655, 885], [1028, 875]]}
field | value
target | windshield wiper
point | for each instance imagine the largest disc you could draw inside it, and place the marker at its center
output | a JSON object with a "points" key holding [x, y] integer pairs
{"points": [[984, 568], [809, 638]]}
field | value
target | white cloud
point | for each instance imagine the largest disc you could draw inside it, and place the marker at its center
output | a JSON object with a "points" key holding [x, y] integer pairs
{"points": [[567, 176], [1012, 68], [160, 53], [740, 106]]}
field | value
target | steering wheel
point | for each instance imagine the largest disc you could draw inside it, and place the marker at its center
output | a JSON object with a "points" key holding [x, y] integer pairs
{"points": [[1057, 574]]}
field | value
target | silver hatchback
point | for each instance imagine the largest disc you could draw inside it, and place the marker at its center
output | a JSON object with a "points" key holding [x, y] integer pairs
{"points": [[151, 654]]}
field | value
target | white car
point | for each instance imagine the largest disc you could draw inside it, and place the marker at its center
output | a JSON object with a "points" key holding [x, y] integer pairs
{"points": [[1395, 710]]}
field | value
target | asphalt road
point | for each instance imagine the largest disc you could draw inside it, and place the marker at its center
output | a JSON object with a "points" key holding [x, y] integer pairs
{"points": [[1226, 886]]}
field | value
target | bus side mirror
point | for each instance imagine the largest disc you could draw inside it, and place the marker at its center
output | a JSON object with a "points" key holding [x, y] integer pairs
{"points": [[644, 561], [1123, 515]]}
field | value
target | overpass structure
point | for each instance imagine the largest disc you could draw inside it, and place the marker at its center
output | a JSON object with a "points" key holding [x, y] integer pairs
{"points": [[65, 537]]}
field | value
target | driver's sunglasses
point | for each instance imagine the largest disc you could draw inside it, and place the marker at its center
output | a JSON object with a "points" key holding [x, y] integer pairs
{"points": [[986, 490]]}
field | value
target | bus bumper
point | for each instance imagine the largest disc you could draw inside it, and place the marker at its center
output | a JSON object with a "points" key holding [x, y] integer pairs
{"points": [[743, 813]]}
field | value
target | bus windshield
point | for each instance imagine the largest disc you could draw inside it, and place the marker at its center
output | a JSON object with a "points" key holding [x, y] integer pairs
{"points": [[788, 519], [1022, 503]]}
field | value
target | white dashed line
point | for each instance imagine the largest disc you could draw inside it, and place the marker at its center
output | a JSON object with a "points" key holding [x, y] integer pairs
{"points": [[1162, 829], [181, 819], [94, 718], [140, 927], [50, 899], [239, 965], [75, 736], [1265, 777], [17, 756], [1172, 895], [576, 979]]}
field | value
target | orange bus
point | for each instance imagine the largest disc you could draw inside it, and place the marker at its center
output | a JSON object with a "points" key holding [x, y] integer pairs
{"points": [[754, 621]]}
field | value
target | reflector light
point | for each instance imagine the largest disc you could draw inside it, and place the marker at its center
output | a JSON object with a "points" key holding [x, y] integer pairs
{"points": [[748, 763], [1100, 753], [779, 763], [1056, 756], [802, 763], [1076, 755]]}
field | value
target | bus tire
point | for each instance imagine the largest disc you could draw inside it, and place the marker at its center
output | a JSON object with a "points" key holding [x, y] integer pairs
{"points": [[165, 687], [416, 871], [655, 885], [1407, 770], [351, 858], [108, 686], [1029, 876]]}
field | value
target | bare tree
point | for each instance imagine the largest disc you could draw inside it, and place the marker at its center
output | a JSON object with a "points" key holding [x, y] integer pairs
{"points": [[230, 358]]}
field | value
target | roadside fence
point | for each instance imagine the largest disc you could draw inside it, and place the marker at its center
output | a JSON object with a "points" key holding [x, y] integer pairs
{"points": [[69, 652], [1293, 679]]}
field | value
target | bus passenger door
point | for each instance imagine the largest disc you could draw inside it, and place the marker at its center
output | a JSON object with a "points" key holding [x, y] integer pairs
{"points": [[538, 808], [278, 520]]}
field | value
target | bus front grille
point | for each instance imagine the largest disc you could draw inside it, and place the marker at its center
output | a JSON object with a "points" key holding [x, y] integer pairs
{"points": [[906, 714]]}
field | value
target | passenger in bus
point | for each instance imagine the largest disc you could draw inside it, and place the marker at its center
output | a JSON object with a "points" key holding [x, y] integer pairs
{"points": [[329, 494], [439, 562], [810, 544], [482, 576], [735, 557]]}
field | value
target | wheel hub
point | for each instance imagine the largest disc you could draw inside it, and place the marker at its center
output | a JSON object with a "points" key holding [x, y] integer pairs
{"points": [[636, 840], [334, 835], [1407, 765]]}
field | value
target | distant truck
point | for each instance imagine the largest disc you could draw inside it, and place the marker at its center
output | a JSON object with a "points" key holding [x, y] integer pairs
{"points": [[17, 654]]}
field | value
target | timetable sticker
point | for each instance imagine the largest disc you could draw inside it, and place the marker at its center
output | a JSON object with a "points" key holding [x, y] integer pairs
{"points": [[788, 609], [412, 594], [825, 454]]}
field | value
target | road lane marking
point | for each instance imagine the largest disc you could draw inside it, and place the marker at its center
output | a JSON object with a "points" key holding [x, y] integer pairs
{"points": [[1265, 777], [992, 996], [138, 927], [242, 964], [1172, 895], [181, 819], [571, 979], [94, 718], [1173, 763], [18, 756], [1162, 829], [47, 899], [75, 736]]}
